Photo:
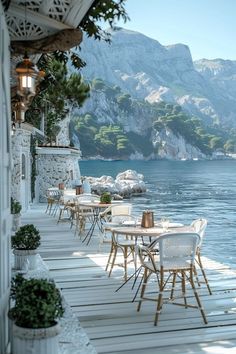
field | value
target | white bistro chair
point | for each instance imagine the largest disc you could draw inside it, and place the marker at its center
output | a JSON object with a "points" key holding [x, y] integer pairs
{"points": [[82, 214], [176, 265], [115, 216]]}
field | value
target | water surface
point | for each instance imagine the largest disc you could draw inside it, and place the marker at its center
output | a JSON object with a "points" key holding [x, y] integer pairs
{"points": [[184, 191]]}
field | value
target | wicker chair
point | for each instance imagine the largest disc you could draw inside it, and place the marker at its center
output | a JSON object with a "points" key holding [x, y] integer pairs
{"points": [[114, 216], [82, 214], [199, 226], [177, 261], [126, 245], [53, 196]]}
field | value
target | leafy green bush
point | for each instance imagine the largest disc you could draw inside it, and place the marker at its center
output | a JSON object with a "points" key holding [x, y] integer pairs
{"points": [[105, 198], [26, 238], [38, 302], [15, 206]]}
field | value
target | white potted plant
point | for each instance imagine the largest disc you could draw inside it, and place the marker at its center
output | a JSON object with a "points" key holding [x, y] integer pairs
{"points": [[15, 211], [37, 307], [24, 243]]}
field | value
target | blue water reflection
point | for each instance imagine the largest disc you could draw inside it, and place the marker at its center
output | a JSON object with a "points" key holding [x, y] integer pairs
{"points": [[183, 191]]}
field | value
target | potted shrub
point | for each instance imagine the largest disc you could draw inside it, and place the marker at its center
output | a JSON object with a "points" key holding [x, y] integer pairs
{"points": [[37, 306], [24, 243], [15, 211], [105, 198]]}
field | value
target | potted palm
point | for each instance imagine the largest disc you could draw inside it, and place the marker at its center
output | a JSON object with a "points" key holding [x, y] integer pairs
{"points": [[15, 211], [24, 243], [35, 314]]}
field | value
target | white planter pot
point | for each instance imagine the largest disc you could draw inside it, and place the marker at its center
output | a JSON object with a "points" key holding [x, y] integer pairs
{"points": [[35, 341], [16, 221], [23, 257]]}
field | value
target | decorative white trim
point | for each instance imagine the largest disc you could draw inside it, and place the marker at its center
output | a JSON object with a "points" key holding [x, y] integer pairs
{"points": [[43, 18]]}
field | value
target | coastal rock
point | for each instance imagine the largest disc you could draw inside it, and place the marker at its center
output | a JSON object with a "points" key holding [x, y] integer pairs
{"points": [[174, 147], [125, 184]]}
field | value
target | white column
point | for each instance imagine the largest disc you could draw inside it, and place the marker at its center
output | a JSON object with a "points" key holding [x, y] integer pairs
{"points": [[5, 165]]}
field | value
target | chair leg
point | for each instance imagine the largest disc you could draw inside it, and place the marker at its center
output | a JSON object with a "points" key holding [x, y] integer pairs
{"points": [[197, 297], [184, 288], [143, 288], [60, 215], [173, 285], [110, 255], [158, 310], [203, 273], [125, 252], [113, 261], [196, 276]]}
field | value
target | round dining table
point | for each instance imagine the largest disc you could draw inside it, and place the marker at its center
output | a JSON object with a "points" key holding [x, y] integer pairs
{"points": [[96, 208]]}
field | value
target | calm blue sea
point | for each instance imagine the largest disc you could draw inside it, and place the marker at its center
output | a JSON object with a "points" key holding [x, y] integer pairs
{"points": [[184, 191]]}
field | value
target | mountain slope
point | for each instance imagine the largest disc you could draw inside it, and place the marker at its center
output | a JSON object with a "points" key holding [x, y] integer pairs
{"points": [[145, 69], [112, 124]]}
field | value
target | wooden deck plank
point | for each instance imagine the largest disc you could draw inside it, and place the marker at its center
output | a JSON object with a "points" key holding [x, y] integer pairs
{"points": [[110, 318]]}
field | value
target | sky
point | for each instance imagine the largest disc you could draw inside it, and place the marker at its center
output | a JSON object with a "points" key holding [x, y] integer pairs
{"points": [[208, 27]]}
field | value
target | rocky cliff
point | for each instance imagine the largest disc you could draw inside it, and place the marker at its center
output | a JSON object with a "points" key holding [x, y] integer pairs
{"points": [[132, 136], [144, 73], [145, 69]]}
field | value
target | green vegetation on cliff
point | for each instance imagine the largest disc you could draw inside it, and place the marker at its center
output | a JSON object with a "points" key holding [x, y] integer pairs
{"points": [[109, 136]]}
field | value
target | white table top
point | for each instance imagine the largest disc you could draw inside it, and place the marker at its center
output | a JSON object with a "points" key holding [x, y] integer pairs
{"points": [[152, 231], [97, 204]]}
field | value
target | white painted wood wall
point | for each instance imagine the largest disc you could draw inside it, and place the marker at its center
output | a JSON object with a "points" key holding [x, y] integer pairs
{"points": [[5, 164]]}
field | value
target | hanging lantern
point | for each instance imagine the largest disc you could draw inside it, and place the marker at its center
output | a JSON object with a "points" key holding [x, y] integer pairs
{"points": [[19, 109], [28, 76]]}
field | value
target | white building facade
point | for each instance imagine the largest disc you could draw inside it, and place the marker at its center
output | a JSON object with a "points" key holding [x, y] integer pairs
{"points": [[5, 177], [44, 18]]}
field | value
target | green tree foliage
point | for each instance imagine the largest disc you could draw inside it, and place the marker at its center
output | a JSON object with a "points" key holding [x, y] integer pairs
{"points": [[112, 141], [106, 140], [191, 128], [216, 143], [100, 12], [62, 94], [230, 146]]}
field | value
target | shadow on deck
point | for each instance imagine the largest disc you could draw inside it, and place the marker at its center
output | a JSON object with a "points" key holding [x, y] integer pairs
{"points": [[110, 318]]}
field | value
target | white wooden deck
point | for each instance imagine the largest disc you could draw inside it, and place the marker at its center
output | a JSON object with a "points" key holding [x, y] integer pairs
{"points": [[110, 318]]}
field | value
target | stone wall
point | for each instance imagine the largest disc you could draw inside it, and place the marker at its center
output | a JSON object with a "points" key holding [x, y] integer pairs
{"points": [[21, 180], [56, 165], [63, 136]]}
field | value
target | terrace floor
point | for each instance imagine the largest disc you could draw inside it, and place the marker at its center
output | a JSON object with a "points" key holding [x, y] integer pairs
{"points": [[110, 318]]}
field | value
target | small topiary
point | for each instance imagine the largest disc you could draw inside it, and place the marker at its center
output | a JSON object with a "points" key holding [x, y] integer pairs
{"points": [[26, 238], [38, 302], [105, 198], [15, 206]]}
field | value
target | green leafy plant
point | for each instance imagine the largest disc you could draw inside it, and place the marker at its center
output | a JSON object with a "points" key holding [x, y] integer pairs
{"points": [[26, 238], [105, 198], [15, 206], [38, 302]]}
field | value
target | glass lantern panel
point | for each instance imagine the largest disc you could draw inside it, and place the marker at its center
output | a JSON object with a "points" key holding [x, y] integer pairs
{"points": [[27, 81]]}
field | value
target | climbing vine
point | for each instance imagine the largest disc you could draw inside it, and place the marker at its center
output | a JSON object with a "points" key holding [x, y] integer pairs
{"points": [[33, 166]]}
